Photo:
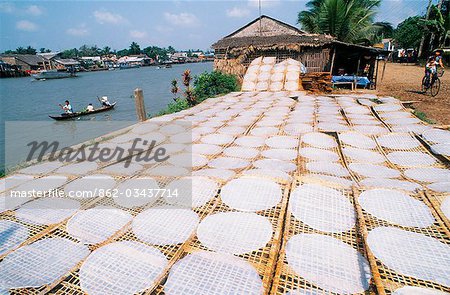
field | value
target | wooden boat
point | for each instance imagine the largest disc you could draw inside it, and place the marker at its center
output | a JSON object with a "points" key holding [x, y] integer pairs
{"points": [[80, 114], [53, 74]]}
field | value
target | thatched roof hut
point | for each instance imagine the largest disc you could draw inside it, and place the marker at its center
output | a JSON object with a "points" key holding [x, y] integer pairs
{"points": [[270, 37], [266, 36]]}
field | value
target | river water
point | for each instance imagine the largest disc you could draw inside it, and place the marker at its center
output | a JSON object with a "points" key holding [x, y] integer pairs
{"points": [[23, 99]]}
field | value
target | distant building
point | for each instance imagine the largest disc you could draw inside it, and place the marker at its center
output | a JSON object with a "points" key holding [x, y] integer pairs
{"points": [[135, 60], [179, 57], [24, 62], [92, 58], [66, 63], [53, 60]]}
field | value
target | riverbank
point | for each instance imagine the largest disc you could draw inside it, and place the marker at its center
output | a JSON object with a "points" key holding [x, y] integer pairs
{"points": [[24, 99]]}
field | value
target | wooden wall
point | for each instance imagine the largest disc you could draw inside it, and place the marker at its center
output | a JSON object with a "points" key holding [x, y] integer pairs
{"points": [[316, 59]]}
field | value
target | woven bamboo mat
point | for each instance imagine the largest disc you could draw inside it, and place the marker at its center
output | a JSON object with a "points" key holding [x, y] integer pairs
{"points": [[391, 279], [285, 278], [263, 259], [70, 283]]}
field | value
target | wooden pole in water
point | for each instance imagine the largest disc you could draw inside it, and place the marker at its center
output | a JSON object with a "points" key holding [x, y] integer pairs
{"points": [[139, 101]]}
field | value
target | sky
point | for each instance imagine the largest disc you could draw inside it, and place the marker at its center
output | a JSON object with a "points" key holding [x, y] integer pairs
{"points": [[183, 24]]}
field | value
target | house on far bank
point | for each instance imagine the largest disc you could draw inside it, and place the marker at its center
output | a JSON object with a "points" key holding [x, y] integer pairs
{"points": [[267, 36], [24, 62], [140, 60], [179, 57], [66, 63]]}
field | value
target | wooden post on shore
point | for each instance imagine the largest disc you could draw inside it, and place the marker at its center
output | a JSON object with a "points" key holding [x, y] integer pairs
{"points": [[139, 101]]}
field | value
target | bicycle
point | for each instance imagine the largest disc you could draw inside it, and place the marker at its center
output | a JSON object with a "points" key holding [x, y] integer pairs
{"points": [[434, 85]]}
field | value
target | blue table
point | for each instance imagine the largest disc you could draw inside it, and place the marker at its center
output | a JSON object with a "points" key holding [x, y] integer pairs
{"points": [[360, 81]]}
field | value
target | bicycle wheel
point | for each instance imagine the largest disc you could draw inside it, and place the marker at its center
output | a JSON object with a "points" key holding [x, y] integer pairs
{"points": [[435, 87], [424, 84]]}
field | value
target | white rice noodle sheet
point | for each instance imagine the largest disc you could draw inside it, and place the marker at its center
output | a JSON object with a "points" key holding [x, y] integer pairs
{"points": [[121, 268], [328, 263], [322, 208], [411, 254], [40, 263], [213, 274]]}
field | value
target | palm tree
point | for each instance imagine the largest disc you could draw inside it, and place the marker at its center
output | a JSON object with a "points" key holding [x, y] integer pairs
{"points": [[135, 48], [347, 20], [106, 50]]}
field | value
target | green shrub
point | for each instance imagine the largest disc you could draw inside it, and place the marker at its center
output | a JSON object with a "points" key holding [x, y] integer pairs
{"points": [[214, 83], [205, 85], [178, 105]]}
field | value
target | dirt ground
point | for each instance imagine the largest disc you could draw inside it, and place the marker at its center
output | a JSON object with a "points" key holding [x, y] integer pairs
{"points": [[403, 82]]}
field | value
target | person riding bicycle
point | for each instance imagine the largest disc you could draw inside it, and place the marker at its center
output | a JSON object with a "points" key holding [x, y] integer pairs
{"points": [[430, 70], [438, 59]]}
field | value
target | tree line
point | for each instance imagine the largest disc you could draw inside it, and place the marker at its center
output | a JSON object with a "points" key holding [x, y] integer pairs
{"points": [[155, 52], [353, 21]]}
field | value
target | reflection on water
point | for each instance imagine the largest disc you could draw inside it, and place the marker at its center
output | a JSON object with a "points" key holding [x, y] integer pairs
{"points": [[24, 100]]}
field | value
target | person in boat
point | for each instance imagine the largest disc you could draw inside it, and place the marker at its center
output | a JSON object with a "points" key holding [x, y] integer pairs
{"points": [[67, 107], [105, 102], [90, 108]]}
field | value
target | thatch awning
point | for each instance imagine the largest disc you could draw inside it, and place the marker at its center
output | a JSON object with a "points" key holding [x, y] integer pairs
{"points": [[280, 41]]}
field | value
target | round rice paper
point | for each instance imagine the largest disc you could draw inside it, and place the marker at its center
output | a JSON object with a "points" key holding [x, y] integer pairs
{"points": [[234, 232], [440, 187], [276, 175], [408, 290], [280, 154], [445, 207], [411, 254], [319, 140], [12, 234], [47, 211], [322, 208], [363, 156], [228, 163], [315, 154], [396, 207], [327, 168], [275, 165], [40, 263], [241, 152], [96, 225], [165, 225], [193, 191], [441, 149], [328, 263], [219, 174], [437, 136], [251, 194], [206, 149], [411, 159], [121, 268], [372, 170], [428, 174], [390, 184], [42, 168], [213, 273], [40, 185], [398, 141], [219, 139], [136, 192], [78, 168], [250, 141]]}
